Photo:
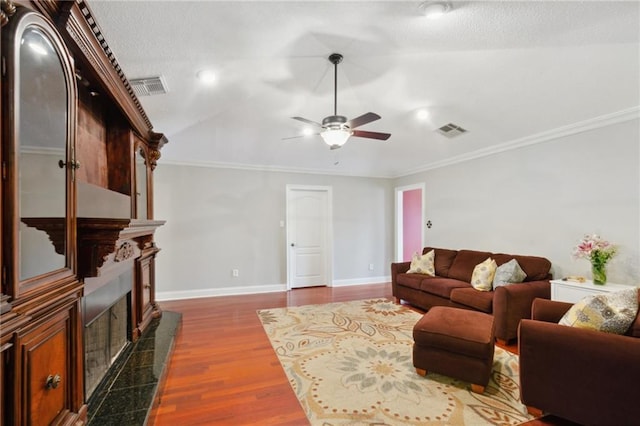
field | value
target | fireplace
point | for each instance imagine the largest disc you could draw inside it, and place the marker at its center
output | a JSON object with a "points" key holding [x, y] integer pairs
{"points": [[107, 331], [104, 338], [116, 262]]}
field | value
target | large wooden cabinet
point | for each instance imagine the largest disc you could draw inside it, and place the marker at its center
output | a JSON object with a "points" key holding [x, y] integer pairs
{"points": [[78, 154]]}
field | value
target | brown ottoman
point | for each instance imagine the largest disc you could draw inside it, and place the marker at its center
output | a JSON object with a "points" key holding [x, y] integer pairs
{"points": [[457, 343]]}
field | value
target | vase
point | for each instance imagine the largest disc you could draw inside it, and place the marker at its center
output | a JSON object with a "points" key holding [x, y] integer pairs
{"points": [[599, 273]]}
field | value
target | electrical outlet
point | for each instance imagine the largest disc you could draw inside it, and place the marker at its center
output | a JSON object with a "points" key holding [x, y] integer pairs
{"points": [[371, 266], [235, 272]]}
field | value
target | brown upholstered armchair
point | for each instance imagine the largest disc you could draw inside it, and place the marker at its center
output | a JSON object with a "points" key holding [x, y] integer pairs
{"points": [[588, 377]]}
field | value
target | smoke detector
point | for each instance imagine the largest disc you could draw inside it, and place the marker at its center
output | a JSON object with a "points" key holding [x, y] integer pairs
{"points": [[149, 86], [451, 130]]}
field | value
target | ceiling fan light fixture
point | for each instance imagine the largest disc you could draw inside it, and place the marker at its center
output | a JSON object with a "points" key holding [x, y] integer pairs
{"points": [[336, 129], [335, 138], [435, 9]]}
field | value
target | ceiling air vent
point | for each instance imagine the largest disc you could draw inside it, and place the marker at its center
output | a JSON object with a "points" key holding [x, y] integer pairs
{"points": [[149, 86], [451, 130]]}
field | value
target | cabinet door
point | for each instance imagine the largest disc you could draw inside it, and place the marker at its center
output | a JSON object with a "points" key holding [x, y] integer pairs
{"points": [[144, 297], [46, 377], [38, 155]]}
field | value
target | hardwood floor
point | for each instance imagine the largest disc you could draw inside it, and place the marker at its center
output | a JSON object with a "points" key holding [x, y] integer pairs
{"points": [[224, 370]]}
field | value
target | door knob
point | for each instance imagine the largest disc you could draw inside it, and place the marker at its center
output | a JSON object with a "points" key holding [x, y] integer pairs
{"points": [[293, 245]]}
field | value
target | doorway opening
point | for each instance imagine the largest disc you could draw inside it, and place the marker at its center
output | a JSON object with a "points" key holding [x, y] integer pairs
{"points": [[409, 233]]}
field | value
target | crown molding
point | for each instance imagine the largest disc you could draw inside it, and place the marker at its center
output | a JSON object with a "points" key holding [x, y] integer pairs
{"points": [[264, 168], [629, 114]]}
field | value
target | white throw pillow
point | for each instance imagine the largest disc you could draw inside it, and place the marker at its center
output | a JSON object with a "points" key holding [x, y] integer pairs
{"points": [[483, 273], [608, 312], [423, 264], [508, 273]]}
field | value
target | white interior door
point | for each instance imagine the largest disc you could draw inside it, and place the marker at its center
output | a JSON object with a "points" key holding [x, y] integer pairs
{"points": [[308, 236]]}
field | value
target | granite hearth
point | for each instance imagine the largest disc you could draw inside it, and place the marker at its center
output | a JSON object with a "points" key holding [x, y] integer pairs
{"points": [[126, 395]]}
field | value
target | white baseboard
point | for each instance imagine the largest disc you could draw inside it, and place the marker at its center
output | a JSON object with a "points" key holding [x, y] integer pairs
{"points": [[163, 296], [216, 292], [361, 281]]}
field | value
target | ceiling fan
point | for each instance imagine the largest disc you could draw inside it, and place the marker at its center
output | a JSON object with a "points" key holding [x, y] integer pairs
{"points": [[336, 129]]}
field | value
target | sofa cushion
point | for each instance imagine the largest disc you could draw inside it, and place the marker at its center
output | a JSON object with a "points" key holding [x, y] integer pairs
{"points": [[611, 312], [536, 268], [441, 286], [479, 300], [508, 273], [465, 261], [483, 273], [443, 259], [410, 280], [422, 264]]}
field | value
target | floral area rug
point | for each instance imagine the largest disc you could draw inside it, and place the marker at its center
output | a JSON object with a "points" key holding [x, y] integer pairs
{"points": [[351, 364]]}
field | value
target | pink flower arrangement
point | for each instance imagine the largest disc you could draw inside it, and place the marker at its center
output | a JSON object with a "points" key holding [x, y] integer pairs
{"points": [[594, 248]]}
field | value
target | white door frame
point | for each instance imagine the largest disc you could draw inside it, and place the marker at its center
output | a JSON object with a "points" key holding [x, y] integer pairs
{"points": [[399, 222], [328, 267]]}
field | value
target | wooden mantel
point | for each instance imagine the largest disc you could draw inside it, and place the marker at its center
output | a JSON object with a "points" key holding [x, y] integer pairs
{"points": [[98, 238]]}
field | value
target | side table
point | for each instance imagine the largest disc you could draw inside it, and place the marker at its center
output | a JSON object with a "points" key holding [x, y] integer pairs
{"points": [[572, 292]]}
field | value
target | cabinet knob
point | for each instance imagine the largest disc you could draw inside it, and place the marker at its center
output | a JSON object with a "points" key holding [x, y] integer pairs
{"points": [[52, 381], [72, 164]]}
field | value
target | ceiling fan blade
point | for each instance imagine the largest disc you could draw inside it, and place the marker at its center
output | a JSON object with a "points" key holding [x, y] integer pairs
{"points": [[304, 120], [371, 135], [301, 136], [363, 119]]}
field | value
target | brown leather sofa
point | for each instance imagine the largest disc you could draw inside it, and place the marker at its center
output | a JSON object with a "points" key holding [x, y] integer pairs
{"points": [[451, 287], [585, 376]]}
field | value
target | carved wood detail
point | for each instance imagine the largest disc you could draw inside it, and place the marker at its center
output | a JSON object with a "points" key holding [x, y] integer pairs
{"points": [[7, 10], [97, 239], [124, 252], [53, 226], [157, 141]]}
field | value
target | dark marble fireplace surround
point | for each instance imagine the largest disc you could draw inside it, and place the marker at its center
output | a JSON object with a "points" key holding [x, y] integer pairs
{"points": [[125, 392], [122, 323]]}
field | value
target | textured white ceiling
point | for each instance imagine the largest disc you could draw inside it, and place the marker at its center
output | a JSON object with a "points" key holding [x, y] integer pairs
{"points": [[503, 70]]}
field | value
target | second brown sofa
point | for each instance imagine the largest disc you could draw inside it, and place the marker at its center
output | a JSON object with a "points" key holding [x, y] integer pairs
{"points": [[452, 287]]}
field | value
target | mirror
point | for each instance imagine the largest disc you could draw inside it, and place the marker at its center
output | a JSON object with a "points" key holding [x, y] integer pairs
{"points": [[43, 89], [141, 184]]}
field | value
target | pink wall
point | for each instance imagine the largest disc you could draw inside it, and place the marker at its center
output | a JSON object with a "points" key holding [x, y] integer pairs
{"points": [[412, 223]]}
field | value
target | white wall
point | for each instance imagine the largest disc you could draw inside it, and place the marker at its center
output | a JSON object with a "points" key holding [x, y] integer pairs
{"points": [[222, 219], [537, 200], [542, 198]]}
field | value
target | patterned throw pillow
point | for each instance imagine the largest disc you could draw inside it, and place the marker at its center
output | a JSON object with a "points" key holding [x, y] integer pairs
{"points": [[483, 274], [609, 312], [423, 264], [509, 273]]}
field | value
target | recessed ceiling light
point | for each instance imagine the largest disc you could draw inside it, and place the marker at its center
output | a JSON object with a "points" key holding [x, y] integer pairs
{"points": [[422, 114], [435, 9], [206, 76], [307, 131]]}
